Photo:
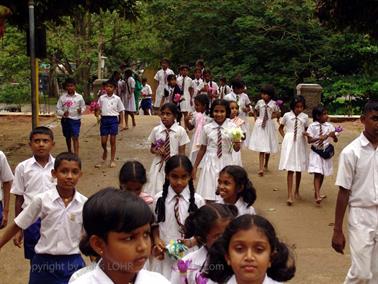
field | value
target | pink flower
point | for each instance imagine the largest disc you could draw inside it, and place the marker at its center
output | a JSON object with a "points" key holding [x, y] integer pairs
{"points": [[94, 106], [183, 266], [159, 143], [200, 279], [279, 103], [68, 104], [177, 98]]}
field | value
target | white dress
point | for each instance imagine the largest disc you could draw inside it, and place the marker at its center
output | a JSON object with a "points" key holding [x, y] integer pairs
{"points": [[294, 154], [177, 138], [185, 105], [197, 85], [161, 78], [128, 97], [267, 280], [264, 139], [199, 120], [169, 229], [317, 164], [212, 165], [236, 156]]}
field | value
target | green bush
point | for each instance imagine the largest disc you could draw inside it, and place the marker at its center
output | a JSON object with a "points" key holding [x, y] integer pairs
{"points": [[14, 93]]}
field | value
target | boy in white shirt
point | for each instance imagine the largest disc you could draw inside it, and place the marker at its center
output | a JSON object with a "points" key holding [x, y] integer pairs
{"points": [[357, 179], [224, 89], [6, 178], [161, 78], [31, 177], [241, 98], [197, 83], [146, 103], [185, 84], [69, 107]]}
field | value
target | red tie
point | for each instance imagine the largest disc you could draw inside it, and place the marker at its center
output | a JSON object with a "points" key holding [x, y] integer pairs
{"points": [[219, 143], [167, 146], [295, 128], [265, 118], [321, 145], [177, 213]]}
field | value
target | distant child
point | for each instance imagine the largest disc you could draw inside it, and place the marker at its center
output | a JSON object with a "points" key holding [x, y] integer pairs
{"points": [[173, 94], [128, 99], [200, 64], [240, 123], [162, 78], [357, 180], [70, 106], [185, 83], [60, 209], [224, 89], [118, 229], [294, 156], [172, 206], [197, 120], [237, 95], [197, 82], [132, 177], [317, 134], [6, 178], [210, 88], [31, 177], [111, 107], [146, 103], [167, 139], [234, 187], [264, 138], [250, 252], [215, 150], [206, 225]]}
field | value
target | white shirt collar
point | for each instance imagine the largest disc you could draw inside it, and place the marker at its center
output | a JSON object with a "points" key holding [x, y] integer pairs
{"points": [[173, 128], [172, 194], [364, 140], [216, 125], [51, 160]]}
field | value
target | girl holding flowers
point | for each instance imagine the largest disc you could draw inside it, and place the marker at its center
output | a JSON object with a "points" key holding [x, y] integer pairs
{"points": [[239, 133]]}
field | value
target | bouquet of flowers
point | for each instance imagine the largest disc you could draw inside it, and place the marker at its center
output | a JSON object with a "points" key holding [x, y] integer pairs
{"points": [[95, 107], [279, 103], [67, 104], [158, 144], [176, 250], [177, 98], [338, 130], [235, 134], [183, 267]]}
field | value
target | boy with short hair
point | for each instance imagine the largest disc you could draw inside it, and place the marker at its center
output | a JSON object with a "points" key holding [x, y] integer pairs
{"points": [[162, 78], [146, 103], [185, 84], [224, 89], [240, 98], [357, 179], [70, 106], [6, 178], [31, 177]]}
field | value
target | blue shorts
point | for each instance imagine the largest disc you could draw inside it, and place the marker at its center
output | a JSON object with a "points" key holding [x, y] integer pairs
{"points": [[109, 125], [31, 238], [146, 104], [71, 127], [54, 269]]}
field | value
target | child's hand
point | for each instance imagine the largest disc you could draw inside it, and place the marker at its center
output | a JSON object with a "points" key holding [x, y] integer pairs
{"points": [[158, 249], [18, 238], [246, 109], [338, 241], [79, 110], [65, 114]]}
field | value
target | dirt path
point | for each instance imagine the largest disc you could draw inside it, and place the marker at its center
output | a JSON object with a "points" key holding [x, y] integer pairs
{"points": [[304, 226]]}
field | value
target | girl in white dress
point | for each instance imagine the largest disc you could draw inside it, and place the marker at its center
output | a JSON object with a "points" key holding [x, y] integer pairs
{"points": [[168, 128], [118, 228], [128, 98], [161, 78], [172, 206], [240, 123], [216, 146], [250, 252], [234, 187], [197, 82], [264, 138], [185, 84], [294, 147], [317, 134], [206, 225]]}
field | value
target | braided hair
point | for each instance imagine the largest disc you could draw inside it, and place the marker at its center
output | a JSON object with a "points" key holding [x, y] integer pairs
{"points": [[173, 163]]}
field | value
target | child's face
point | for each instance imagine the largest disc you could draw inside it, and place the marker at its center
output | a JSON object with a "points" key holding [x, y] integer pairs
{"points": [[164, 65], [216, 231], [324, 117], [41, 145], [370, 121], [207, 77], [199, 107], [227, 188], [265, 97], [109, 88], [249, 255], [234, 109], [167, 117], [70, 88], [298, 108], [172, 82], [126, 252], [67, 175], [238, 91], [133, 186], [219, 114], [197, 74], [184, 72], [179, 179]]}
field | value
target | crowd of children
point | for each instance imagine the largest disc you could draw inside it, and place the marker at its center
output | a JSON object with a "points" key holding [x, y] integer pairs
{"points": [[158, 227]]}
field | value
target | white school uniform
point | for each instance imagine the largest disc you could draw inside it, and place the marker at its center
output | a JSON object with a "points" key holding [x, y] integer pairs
{"points": [[242, 100], [30, 179], [169, 229], [6, 174], [77, 102], [128, 97], [146, 91], [185, 105], [98, 276], [213, 86], [212, 165], [110, 105], [60, 226], [267, 280], [161, 77], [242, 207], [196, 267], [199, 120], [264, 139], [294, 156], [317, 164], [120, 88], [223, 91], [236, 156], [177, 138], [197, 85], [357, 172]]}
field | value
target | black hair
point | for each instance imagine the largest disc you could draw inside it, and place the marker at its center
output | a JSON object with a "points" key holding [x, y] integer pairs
{"points": [[41, 130], [203, 100], [69, 81], [171, 77], [112, 82], [113, 210], [223, 79], [172, 107], [206, 71], [199, 223], [220, 102], [244, 185], [282, 261], [173, 163], [184, 66], [296, 100], [197, 69], [371, 105], [317, 112], [66, 156], [200, 62], [132, 171], [144, 80], [165, 60], [128, 73], [115, 73], [237, 84], [269, 90]]}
